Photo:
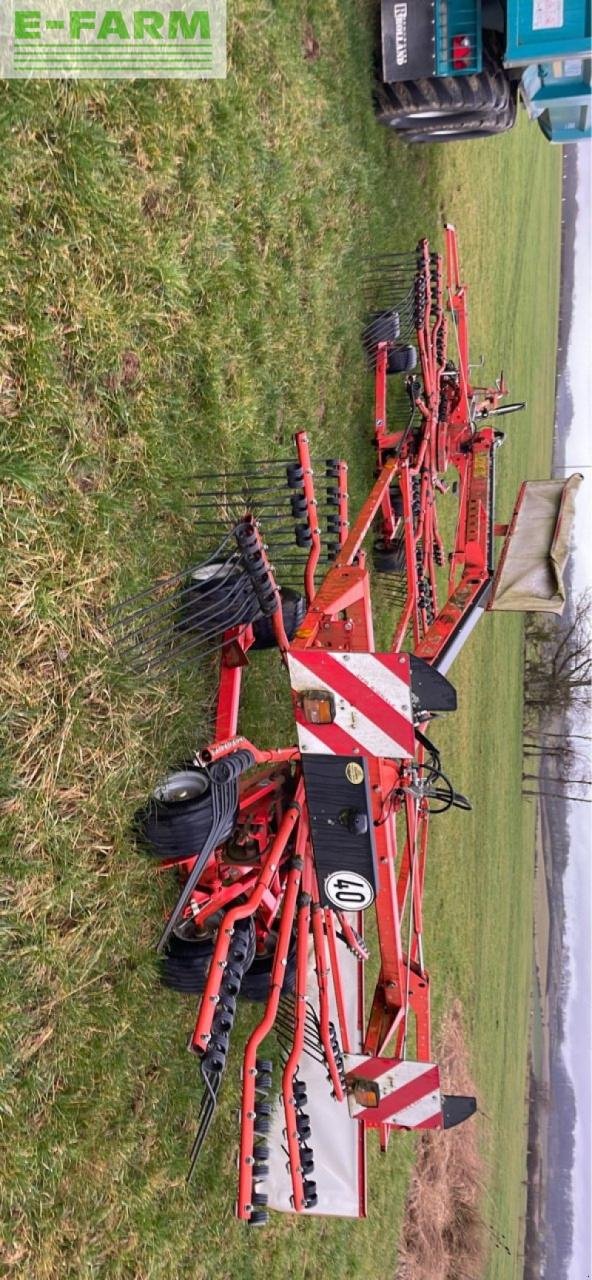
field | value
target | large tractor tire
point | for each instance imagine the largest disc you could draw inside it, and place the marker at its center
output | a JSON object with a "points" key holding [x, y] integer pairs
{"points": [[455, 129], [420, 109]]}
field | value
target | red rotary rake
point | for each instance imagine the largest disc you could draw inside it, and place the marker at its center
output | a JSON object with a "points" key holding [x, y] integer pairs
{"points": [[280, 853]]}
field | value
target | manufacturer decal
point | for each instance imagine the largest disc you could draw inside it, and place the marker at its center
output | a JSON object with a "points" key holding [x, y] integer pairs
{"points": [[354, 772], [400, 14]]}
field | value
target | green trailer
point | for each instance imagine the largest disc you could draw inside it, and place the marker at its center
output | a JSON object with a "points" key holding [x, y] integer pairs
{"points": [[455, 69]]}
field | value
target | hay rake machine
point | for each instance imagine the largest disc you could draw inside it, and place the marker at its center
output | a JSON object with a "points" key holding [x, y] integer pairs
{"points": [[281, 853]]}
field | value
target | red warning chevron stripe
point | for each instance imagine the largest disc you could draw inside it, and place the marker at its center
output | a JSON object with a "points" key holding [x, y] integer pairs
{"points": [[372, 702], [409, 1092]]}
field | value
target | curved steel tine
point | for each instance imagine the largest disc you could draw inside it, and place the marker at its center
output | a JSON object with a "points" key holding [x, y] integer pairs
{"points": [[175, 577], [156, 611], [169, 630]]}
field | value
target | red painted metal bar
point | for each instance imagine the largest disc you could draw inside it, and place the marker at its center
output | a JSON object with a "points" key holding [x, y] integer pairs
{"points": [[457, 301], [293, 1059], [323, 972], [364, 520], [337, 983], [216, 750], [342, 502], [268, 869], [248, 1103], [229, 690], [312, 511]]}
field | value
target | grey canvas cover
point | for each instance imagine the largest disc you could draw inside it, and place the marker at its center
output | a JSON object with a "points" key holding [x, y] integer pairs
{"points": [[530, 572]]}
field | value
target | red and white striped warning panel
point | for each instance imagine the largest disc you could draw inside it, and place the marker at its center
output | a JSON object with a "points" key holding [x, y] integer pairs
{"points": [[352, 703], [393, 1091]]}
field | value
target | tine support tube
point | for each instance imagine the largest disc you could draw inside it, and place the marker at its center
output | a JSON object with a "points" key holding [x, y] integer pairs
{"points": [[209, 998], [293, 1059], [337, 983], [323, 971], [311, 505], [257, 1037]]}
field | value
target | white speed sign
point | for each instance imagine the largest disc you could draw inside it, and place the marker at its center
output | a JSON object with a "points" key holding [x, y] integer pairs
{"points": [[348, 891]]}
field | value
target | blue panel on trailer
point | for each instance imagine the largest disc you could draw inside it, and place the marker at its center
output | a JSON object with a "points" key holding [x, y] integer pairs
{"points": [[457, 19], [541, 29]]}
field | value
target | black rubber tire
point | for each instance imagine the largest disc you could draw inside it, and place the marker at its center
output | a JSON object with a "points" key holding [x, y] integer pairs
{"points": [[454, 129], [293, 611], [381, 326], [401, 360], [219, 602], [396, 501], [419, 104], [389, 559], [173, 830], [256, 982], [185, 966]]}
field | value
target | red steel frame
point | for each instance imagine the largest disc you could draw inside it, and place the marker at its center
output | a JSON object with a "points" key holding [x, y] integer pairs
{"points": [[281, 881]]}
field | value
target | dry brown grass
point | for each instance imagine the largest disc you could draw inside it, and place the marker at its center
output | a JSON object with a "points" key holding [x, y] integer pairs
{"points": [[443, 1233]]}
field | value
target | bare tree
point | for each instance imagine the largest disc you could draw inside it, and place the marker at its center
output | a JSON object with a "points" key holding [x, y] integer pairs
{"points": [[558, 661]]}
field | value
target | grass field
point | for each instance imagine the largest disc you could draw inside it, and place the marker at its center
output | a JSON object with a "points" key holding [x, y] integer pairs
{"points": [[179, 269]]}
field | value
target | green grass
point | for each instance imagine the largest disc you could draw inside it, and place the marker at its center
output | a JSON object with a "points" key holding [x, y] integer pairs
{"points": [[179, 268]]}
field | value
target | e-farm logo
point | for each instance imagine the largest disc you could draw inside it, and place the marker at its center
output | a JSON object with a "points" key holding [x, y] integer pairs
{"points": [[173, 40]]}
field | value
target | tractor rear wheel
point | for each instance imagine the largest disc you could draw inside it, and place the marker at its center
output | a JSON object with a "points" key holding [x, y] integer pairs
{"points": [[463, 128], [418, 109]]}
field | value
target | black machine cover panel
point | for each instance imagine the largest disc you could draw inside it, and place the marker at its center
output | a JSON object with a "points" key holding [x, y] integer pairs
{"points": [[408, 39], [339, 806]]}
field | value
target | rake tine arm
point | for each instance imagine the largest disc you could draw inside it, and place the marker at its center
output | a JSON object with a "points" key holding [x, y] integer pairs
{"points": [[273, 463], [323, 972], [169, 581], [164, 626], [257, 1037], [312, 516], [270, 865], [337, 983], [293, 1058], [206, 1115], [158, 601]]}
